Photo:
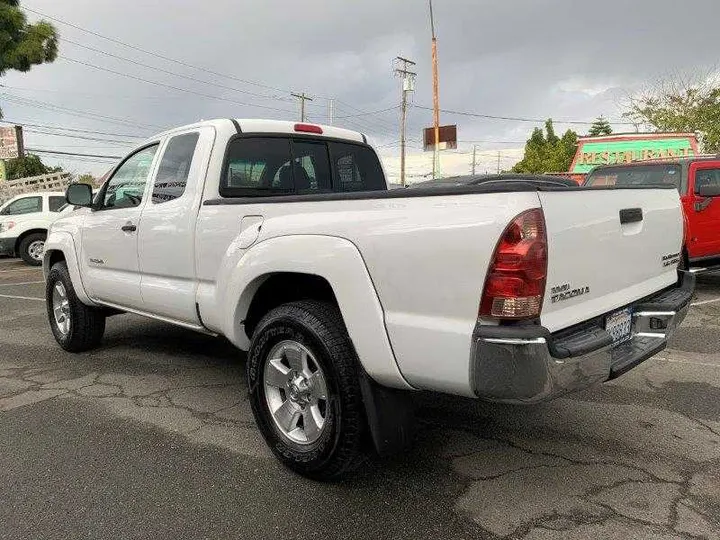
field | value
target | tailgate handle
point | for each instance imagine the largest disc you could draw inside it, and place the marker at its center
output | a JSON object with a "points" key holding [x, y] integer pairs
{"points": [[631, 215]]}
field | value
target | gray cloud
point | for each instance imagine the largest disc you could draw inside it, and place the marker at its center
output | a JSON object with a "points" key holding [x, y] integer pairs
{"points": [[534, 58]]}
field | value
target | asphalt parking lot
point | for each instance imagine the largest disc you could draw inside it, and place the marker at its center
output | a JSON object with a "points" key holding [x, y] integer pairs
{"points": [[151, 436]]}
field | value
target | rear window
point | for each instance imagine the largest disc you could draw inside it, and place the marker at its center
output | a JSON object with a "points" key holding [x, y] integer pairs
{"points": [[637, 175], [258, 166], [356, 168], [269, 166]]}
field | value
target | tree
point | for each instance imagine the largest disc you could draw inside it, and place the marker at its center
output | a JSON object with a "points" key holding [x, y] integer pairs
{"points": [[545, 152], [23, 45], [600, 127], [29, 165], [682, 103]]}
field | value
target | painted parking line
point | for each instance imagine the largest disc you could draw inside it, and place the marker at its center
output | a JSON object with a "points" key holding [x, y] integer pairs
{"points": [[704, 302], [689, 362], [21, 283], [15, 270], [21, 297]]}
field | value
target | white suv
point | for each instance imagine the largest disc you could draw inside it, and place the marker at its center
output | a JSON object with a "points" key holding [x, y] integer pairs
{"points": [[24, 222]]}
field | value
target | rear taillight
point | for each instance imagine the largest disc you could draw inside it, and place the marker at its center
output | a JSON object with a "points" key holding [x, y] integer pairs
{"points": [[515, 283]]}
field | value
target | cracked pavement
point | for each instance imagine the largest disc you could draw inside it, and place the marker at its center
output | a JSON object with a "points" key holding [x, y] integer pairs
{"points": [[152, 436]]}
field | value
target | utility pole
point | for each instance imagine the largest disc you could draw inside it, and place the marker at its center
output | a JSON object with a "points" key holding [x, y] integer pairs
{"points": [[474, 158], [436, 97], [498, 167], [303, 98], [408, 85], [331, 111]]}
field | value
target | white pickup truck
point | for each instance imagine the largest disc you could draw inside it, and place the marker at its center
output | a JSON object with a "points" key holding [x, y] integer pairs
{"points": [[348, 296], [24, 221]]}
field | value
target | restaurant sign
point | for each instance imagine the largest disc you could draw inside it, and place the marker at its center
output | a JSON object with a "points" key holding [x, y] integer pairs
{"points": [[611, 150]]}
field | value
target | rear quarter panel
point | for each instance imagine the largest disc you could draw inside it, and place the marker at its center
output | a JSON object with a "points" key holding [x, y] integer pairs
{"points": [[426, 257]]}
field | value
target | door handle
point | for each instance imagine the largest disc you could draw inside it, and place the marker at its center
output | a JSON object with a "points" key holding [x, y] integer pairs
{"points": [[129, 227]]}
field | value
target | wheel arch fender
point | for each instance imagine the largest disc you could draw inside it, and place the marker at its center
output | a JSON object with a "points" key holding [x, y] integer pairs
{"points": [[27, 232], [59, 245], [336, 260]]}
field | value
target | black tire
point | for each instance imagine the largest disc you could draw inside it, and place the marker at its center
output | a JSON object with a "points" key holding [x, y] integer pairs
{"points": [[87, 324], [320, 329], [24, 248]]}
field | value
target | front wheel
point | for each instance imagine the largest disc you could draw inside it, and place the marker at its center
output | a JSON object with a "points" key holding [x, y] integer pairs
{"points": [[304, 389], [31, 249], [76, 327]]}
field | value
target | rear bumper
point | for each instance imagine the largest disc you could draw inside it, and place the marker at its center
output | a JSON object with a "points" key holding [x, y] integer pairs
{"points": [[529, 364], [7, 246]]}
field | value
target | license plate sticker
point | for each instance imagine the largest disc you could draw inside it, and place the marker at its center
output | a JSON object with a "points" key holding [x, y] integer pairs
{"points": [[619, 325]]}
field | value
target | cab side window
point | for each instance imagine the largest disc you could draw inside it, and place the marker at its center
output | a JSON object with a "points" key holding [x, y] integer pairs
{"points": [[26, 205], [126, 187], [172, 175], [56, 203], [707, 178]]}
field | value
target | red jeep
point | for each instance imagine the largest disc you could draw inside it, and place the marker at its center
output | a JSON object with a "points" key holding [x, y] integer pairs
{"points": [[698, 181]]}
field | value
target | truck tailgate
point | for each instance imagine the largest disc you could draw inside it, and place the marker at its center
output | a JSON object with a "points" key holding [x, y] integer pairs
{"points": [[606, 249]]}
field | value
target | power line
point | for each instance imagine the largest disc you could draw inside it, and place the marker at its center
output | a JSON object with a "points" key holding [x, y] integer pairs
{"points": [[175, 74], [170, 59], [201, 94], [390, 127], [74, 130], [368, 113], [518, 118], [84, 94], [81, 137], [73, 112], [151, 53], [491, 142], [369, 126], [48, 151]]}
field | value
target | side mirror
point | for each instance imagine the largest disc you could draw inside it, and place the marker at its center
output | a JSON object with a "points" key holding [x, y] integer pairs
{"points": [[708, 190], [79, 195]]}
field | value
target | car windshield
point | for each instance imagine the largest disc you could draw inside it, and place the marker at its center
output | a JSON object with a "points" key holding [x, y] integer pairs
{"points": [[659, 174]]}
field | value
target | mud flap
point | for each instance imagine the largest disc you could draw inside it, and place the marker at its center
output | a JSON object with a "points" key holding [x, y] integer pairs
{"points": [[390, 416]]}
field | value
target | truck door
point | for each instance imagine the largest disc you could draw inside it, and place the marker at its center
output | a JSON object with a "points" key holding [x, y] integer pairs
{"points": [[166, 232], [704, 212], [109, 258]]}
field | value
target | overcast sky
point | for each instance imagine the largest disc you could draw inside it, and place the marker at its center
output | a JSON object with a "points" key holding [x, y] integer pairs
{"points": [[565, 59]]}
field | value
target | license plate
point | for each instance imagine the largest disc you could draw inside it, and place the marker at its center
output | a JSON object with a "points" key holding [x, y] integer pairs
{"points": [[619, 325]]}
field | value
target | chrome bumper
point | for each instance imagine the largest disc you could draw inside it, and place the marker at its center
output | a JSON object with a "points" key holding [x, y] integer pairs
{"points": [[528, 364]]}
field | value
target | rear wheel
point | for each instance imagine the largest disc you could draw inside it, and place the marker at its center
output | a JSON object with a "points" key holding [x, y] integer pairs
{"points": [[31, 249], [304, 387], [76, 327]]}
